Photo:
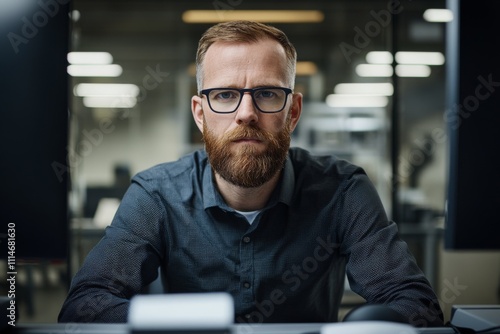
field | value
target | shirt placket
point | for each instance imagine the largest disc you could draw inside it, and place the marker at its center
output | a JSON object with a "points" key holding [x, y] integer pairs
{"points": [[247, 270]]}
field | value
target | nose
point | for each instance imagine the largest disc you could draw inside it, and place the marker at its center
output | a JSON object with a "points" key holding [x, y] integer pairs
{"points": [[246, 112]]}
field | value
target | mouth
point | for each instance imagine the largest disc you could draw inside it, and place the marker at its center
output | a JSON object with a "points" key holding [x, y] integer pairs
{"points": [[248, 140]]}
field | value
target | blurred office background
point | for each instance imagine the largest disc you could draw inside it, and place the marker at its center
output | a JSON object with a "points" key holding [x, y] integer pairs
{"points": [[374, 93]]}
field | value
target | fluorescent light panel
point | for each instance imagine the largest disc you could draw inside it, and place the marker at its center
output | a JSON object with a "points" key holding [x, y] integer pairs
{"points": [[360, 124], [105, 89], [347, 100], [75, 15], [109, 102], [405, 57], [438, 15], [378, 89], [111, 70], [274, 16], [306, 68], [379, 57], [422, 58], [90, 58], [372, 70], [413, 71]]}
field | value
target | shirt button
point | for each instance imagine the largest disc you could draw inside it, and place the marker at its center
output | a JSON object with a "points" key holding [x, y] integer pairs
{"points": [[246, 285], [246, 240]]}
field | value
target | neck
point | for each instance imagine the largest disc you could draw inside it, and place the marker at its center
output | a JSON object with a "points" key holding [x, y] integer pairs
{"points": [[246, 199]]}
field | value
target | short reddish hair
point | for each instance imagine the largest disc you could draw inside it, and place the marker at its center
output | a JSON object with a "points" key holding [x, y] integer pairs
{"points": [[246, 32]]}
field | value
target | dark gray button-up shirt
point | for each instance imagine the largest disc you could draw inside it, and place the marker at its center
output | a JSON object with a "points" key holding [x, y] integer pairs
{"points": [[323, 220]]}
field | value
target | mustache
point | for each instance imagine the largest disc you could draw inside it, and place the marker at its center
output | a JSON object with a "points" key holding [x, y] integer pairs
{"points": [[248, 131]]}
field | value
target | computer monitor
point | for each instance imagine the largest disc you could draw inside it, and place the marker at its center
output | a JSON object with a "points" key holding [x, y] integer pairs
{"points": [[473, 119], [34, 128]]}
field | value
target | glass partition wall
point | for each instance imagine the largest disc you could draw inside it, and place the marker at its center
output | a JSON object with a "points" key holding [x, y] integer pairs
{"points": [[371, 96], [353, 73]]}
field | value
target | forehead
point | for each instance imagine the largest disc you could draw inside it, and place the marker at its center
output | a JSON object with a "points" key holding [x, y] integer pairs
{"points": [[263, 43], [238, 61]]}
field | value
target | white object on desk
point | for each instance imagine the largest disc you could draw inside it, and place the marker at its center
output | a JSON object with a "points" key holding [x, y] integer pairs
{"points": [[106, 210], [368, 327], [182, 311]]}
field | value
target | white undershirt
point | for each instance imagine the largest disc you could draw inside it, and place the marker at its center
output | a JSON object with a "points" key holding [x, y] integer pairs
{"points": [[249, 215]]}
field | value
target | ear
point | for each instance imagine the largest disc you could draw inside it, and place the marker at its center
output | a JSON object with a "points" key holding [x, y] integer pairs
{"points": [[296, 110], [197, 110]]}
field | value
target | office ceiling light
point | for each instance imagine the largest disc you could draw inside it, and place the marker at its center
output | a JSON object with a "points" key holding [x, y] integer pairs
{"points": [[379, 57], [363, 124], [192, 69], [270, 16], [377, 89], [75, 15], [105, 89], [438, 15], [306, 68], [413, 71], [420, 58], [356, 101], [90, 58], [111, 70], [372, 70], [109, 102]]}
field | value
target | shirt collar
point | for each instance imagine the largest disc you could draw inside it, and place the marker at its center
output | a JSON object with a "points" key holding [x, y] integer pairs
{"points": [[287, 183], [283, 192], [211, 196]]}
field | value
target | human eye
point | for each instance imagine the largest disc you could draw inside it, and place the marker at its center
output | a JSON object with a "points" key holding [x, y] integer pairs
{"points": [[227, 95], [267, 94]]}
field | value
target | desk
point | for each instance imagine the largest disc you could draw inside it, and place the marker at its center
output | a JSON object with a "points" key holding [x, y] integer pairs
{"points": [[469, 316], [235, 329]]}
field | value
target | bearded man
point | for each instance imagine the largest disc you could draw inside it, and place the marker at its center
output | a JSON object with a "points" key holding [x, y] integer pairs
{"points": [[276, 227]]}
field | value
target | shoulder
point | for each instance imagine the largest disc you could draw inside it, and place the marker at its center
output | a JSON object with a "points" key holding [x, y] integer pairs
{"points": [[186, 167]]}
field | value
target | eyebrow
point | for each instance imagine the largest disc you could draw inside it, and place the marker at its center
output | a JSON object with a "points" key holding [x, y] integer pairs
{"points": [[252, 87]]}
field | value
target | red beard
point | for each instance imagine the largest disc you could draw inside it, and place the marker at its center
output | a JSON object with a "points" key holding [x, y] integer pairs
{"points": [[247, 167]]}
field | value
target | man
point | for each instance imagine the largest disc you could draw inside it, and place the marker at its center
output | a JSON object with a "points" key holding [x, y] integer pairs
{"points": [[275, 227]]}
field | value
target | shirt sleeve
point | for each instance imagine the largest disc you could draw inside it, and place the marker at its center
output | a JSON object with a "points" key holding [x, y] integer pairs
{"points": [[121, 264], [380, 267]]}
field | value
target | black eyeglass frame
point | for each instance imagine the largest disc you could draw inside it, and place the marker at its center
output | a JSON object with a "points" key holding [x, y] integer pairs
{"points": [[242, 91]]}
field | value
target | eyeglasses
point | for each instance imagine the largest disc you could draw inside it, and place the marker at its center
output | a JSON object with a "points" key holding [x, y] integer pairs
{"points": [[265, 99]]}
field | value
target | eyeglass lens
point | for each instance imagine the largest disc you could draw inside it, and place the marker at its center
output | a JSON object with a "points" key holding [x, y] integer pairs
{"points": [[266, 99]]}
